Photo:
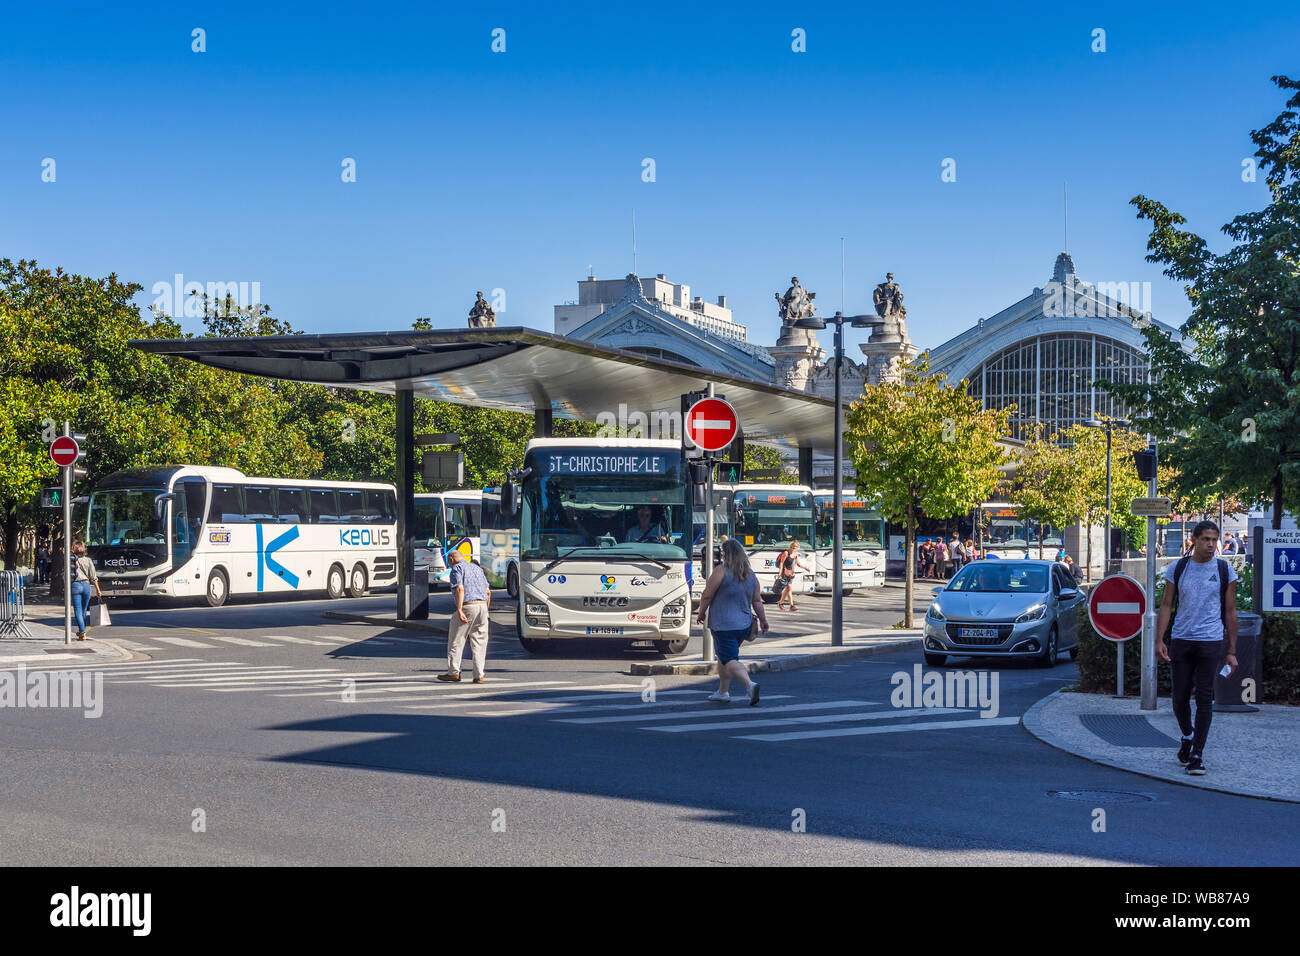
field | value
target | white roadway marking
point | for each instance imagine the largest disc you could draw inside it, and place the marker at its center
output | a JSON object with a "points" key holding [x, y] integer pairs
{"points": [[506, 688], [817, 719], [465, 694], [302, 640], [908, 728], [182, 642], [242, 641], [646, 707], [296, 679], [824, 705]]}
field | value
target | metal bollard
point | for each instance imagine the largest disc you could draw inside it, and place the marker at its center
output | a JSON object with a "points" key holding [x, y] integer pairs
{"points": [[1230, 692]]}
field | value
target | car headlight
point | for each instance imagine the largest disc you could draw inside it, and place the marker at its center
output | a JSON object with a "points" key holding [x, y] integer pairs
{"points": [[1035, 613], [935, 613]]}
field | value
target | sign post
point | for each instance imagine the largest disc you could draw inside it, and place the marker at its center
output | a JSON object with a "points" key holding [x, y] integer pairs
{"points": [[711, 425], [1117, 610], [64, 452], [1277, 570]]}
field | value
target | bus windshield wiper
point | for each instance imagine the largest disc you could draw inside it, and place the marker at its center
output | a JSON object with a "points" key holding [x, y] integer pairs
{"points": [[566, 554]]}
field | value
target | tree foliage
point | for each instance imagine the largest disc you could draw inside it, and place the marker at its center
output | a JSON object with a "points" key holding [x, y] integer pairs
{"points": [[921, 445], [1228, 412]]}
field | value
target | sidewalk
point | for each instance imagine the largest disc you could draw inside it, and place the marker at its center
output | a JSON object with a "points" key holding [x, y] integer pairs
{"points": [[1247, 754], [46, 647]]}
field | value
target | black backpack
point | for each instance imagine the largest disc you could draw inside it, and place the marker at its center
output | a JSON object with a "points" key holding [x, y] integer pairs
{"points": [[1181, 566]]}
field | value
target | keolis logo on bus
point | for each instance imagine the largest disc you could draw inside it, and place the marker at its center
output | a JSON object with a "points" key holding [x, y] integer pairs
{"points": [[364, 537]]}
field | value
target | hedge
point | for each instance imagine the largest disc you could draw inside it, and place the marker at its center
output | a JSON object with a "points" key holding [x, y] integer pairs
{"points": [[1281, 678]]}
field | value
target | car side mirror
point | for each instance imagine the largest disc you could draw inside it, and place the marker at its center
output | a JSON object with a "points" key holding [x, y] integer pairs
{"points": [[1069, 594]]}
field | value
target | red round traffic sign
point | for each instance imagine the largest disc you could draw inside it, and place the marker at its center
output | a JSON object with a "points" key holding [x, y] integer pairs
{"points": [[1116, 606], [711, 423], [63, 451]]}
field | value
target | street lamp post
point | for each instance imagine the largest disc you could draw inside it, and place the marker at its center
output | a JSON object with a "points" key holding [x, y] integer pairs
{"points": [[837, 555], [1108, 424]]}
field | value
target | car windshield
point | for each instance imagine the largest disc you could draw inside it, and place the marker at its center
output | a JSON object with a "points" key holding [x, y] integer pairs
{"points": [[1001, 577]]}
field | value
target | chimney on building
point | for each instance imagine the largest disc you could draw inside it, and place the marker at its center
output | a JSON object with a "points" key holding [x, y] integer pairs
{"points": [[722, 301]]}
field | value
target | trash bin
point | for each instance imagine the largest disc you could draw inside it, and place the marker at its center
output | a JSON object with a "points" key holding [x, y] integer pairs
{"points": [[1230, 693], [413, 600]]}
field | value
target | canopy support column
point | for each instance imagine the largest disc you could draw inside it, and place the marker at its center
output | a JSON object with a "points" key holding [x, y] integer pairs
{"points": [[412, 596]]}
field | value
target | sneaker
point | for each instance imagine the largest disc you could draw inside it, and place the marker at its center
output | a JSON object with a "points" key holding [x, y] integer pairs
{"points": [[1195, 767], [718, 698], [1185, 751], [753, 694]]}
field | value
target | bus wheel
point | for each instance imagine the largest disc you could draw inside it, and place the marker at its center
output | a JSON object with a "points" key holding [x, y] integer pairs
{"points": [[537, 645], [218, 588], [335, 582], [672, 647], [357, 586], [512, 582]]}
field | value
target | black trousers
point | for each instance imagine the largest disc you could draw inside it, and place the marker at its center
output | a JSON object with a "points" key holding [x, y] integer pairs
{"points": [[1195, 664]]}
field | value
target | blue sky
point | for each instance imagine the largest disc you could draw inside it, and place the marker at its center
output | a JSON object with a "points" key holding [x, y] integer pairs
{"points": [[517, 170]]}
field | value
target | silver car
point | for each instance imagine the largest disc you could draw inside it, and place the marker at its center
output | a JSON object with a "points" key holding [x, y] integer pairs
{"points": [[1027, 609]]}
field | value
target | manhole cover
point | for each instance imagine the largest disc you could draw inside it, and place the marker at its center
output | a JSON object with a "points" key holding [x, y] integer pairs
{"points": [[1126, 730], [1102, 796]]}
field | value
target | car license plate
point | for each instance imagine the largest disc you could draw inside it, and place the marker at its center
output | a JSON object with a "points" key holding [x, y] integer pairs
{"points": [[978, 632], [604, 630]]}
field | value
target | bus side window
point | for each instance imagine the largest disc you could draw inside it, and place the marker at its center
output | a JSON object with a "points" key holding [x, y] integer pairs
{"points": [[352, 506], [258, 503], [324, 509], [227, 508], [381, 506], [290, 508]]}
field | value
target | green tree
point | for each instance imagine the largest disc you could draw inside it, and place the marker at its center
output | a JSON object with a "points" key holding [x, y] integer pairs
{"points": [[1228, 413], [1048, 485], [1087, 452], [920, 445]]}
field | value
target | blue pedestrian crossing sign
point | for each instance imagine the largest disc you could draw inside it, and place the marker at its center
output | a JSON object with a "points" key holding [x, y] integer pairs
{"points": [[1281, 570]]}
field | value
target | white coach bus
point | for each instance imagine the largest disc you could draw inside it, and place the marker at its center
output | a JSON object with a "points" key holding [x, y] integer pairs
{"points": [[499, 543], [863, 542], [188, 531], [445, 521], [604, 542], [766, 518]]}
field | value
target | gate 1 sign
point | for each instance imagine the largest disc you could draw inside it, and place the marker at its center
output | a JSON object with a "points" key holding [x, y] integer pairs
{"points": [[1281, 571]]}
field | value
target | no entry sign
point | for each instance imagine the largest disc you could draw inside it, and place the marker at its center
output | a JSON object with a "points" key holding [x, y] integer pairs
{"points": [[711, 424], [1116, 606], [63, 451]]}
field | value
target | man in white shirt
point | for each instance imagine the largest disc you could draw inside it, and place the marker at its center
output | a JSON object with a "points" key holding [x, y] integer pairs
{"points": [[644, 530], [1202, 583]]}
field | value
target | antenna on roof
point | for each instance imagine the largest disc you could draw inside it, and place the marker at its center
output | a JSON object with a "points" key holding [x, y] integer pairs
{"points": [[634, 242], [591, 272], [841, 275], [1065, 196]]}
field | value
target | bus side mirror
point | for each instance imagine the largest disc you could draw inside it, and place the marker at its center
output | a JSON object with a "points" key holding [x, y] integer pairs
{"points": [[160, 502], [509, 497]]}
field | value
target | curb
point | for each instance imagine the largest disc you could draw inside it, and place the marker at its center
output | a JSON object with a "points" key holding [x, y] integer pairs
{"points": [[1031, 722], [790, 663]]}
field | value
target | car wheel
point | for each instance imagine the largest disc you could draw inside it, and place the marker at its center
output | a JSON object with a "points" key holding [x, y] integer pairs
{"points": [[357, 584], [218, 588], [512, 582], [672, 647], [1074, 653], [334, 582], [935, 660], [1050, 651]]}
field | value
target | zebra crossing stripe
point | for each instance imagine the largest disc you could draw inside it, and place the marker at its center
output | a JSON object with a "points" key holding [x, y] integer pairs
{"points": [[241, 641], [182, 642], [816, 719], [540, 706], [133, 646], [301, 679], [824, 705], [908, 728], [302, 640]]}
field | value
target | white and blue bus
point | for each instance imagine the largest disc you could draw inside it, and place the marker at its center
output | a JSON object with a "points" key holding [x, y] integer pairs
{"points": [[862, 541], [766, 517], [499, 543], [188, 531], [445, 521]]}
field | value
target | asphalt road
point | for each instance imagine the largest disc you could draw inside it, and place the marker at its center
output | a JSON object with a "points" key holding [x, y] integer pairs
{"points": [[320, 742]]}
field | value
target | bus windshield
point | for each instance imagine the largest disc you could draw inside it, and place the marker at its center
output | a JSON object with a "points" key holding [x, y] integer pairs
{"points": [[125, 516], [774, 518], [863, 530], [574, 502]]}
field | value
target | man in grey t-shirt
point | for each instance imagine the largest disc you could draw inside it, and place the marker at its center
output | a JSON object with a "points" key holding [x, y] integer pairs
{"points": [[1202, 621]]}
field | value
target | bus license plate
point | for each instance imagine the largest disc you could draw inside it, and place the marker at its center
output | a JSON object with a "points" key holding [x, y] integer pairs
{"points": [[604, 630], [978, 632]]}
